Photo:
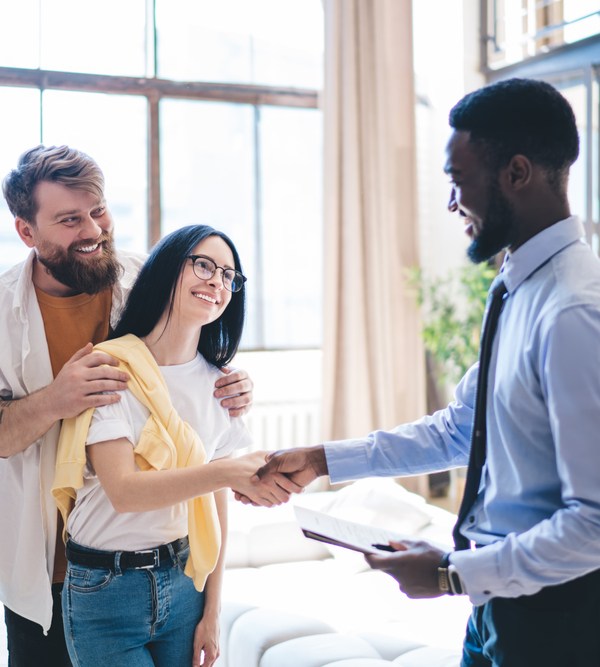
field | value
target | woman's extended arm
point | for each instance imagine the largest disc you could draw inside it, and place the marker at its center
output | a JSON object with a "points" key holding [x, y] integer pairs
{"points": [[131, 490]]}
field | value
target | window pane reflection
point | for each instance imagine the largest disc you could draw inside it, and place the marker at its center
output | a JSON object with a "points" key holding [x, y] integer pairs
{"points": [[576, 92], [107, 37], [584, 19], [583, 179], [19, 131], [210, 176], [518, 30], [596, 148], [19, 26], [290, 152], [207, 167], [112, 129], [262, 42]]}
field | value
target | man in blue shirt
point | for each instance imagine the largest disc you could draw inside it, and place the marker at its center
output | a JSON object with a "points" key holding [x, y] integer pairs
{"points": [[533, 577]]}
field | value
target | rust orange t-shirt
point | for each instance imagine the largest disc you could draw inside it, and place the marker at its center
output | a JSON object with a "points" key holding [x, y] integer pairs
{"points": [[69, 323]]}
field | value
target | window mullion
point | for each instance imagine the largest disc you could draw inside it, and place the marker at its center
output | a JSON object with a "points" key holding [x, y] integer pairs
{"points": [[154, 195], [258, 234]]}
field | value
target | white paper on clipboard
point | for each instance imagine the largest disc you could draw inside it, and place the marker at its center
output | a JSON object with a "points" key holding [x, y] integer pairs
{"points": [[340, 532]]}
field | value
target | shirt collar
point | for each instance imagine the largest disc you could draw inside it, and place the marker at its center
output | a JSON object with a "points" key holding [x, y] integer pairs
{"points": [[521, 263]]}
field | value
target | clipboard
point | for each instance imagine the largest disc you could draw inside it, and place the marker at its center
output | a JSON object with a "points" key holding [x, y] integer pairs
{"points": [[359, 537]]}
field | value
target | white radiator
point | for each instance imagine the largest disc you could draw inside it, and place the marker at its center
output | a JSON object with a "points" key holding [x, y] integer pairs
{"points": [[283, 425]]}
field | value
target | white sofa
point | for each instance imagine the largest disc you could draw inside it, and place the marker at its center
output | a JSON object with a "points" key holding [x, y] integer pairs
{"points": [[294, 602]]}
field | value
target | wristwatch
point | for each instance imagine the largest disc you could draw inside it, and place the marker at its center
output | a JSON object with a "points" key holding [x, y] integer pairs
{"points": [[448, 578]]}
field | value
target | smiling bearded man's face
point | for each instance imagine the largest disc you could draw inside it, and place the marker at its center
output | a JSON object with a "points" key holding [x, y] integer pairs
{"points": [[80, 273], [72, 235]]}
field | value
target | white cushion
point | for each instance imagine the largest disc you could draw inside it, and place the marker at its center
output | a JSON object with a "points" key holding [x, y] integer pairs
{"points": [[317, 651], [257, 630], [361, 662], [429, 656], [381, 502], [259, 536], [230, 612], [390, 646], [355, 603]]}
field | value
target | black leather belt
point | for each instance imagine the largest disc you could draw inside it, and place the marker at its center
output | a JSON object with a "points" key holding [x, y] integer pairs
{"points": [[144, 559]]}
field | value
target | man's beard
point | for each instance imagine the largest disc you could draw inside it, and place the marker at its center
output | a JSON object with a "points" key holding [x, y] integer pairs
{"points": [[90, 276], [497, 228]]}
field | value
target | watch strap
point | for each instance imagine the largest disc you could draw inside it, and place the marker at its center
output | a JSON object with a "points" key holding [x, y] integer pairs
{"points": [[443, 578], [449, 581]]}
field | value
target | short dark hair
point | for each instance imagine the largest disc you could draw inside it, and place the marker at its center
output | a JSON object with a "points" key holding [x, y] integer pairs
{"points": [[153, 290], [520, 117], [57, 164]]}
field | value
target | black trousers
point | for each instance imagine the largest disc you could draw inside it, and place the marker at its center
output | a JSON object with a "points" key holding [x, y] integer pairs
{"points": [[27, 644], [557, 627]]}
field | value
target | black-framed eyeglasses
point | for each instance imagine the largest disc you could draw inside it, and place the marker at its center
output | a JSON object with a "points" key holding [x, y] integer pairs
{"points": [[205, 268]]}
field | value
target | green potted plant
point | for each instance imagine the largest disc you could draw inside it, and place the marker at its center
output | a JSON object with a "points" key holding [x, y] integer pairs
{"points": [[452, 309]]}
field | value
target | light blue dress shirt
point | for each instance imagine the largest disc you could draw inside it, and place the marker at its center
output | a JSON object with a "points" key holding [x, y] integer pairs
{"points": [[538, 510]]}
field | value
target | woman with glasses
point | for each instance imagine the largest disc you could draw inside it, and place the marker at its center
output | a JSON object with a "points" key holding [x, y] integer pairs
{"points": [[142, 483]]}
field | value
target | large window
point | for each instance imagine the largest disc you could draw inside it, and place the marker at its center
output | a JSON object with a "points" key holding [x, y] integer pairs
{"points": [[584, 191], [557, 41], [516, 30], [198, 112], [270, 42], [19, 129]]}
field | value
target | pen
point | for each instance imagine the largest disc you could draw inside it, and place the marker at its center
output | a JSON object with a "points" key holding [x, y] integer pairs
{"points": [[384, 547]]}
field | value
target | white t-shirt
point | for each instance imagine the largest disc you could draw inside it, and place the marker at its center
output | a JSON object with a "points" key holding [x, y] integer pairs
{"points": [[93, 522]]}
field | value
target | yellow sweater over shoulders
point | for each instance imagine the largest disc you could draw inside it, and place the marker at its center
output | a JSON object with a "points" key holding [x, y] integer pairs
{"points": [[166, 442]]}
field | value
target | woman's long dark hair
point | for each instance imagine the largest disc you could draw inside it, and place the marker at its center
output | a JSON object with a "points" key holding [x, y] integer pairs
{"points": [[152, 293]]}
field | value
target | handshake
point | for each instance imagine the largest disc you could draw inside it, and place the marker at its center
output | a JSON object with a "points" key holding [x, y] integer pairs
{"points": [[282, 473]]}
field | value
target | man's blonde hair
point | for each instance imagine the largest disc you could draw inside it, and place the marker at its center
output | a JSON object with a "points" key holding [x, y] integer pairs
{"points": [[55, 164]]}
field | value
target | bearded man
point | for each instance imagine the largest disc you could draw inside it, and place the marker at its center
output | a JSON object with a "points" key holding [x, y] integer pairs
{"points": [[526, 417], [55, 305]]}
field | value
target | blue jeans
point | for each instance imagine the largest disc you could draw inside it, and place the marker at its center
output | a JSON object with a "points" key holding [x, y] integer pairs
{"points": [[131, 618]]}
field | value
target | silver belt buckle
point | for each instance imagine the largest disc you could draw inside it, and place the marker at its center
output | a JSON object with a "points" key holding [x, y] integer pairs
{"points": [[156, 559]]}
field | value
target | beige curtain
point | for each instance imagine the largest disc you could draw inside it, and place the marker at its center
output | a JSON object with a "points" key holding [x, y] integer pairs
{"points": [[373, 356]]}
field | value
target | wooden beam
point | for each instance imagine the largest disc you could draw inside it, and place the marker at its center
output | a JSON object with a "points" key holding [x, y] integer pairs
{"points": [[158, 88]]}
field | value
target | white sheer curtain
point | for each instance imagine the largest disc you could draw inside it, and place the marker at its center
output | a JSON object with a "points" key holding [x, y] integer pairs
{"points": [[373, 356]]}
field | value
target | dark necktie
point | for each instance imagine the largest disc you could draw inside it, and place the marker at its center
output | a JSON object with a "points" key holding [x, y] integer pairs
{"points": [[478, 436]]}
